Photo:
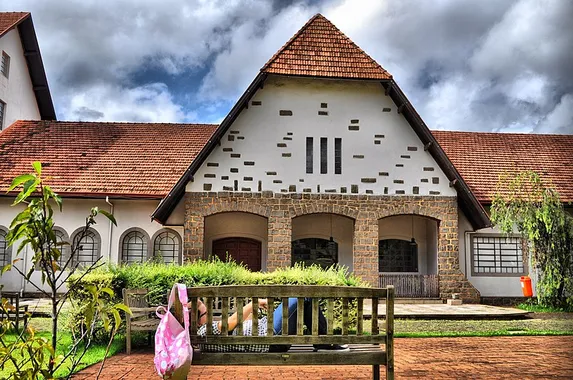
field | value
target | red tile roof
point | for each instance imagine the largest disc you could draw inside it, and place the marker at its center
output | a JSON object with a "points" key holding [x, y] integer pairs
{"points": [[481, 158], [122, 159], [10, 19], [319, 49]]}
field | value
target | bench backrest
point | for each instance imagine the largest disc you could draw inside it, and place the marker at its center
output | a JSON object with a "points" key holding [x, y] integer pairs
{"points": [[350, 296], [136, 299]]}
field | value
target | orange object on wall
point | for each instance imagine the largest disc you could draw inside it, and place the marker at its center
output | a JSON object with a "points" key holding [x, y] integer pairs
{"points": [[526, 286]]}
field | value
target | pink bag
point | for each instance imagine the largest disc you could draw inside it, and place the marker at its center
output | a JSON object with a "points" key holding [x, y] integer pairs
{"points": [[173, 351]]}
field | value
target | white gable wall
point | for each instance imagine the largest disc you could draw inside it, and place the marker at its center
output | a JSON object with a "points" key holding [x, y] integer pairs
{"points": [[381, 153], [16, 90]]}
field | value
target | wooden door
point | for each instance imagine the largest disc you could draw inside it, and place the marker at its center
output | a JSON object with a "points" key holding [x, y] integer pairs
{"points": [[242, 250]]}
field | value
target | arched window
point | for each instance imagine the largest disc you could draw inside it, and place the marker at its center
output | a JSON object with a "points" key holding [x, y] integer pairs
{"points": [[315, 251], [89, 246], [134, 246], [396, 255], [4, 249], [167, 245], [62, 236]]}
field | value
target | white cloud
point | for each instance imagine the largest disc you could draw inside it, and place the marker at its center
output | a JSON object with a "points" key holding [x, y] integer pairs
{"points": [[560, 119], [149, 103], [501, 65]]}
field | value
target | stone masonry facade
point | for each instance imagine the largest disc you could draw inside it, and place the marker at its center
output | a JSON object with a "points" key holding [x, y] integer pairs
{"points": [[365, 210]]}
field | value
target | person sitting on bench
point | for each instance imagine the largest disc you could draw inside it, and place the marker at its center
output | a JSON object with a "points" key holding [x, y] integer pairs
{"points": [[262, 327]]}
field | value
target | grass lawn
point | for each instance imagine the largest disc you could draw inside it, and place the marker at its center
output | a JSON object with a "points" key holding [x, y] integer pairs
{"points": [[94, 354], [558, 324]]}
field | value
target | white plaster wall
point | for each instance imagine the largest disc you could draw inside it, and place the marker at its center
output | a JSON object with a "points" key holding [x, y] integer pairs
{"points": [[16, 90], [488, 286], [425, 233], [318, 226], [259, 129], [236, 224], [128, 214]]}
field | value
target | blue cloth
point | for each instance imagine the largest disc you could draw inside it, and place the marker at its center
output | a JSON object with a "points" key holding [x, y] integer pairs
{"points": [[292, 318]]}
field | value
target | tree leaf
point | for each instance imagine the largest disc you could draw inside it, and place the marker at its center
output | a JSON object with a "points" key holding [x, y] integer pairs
{"points": [[109, 216], [37, 167], [20, 180]]}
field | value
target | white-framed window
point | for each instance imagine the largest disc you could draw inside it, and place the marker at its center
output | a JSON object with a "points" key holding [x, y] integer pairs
{"points": [[62, 236], [497, 255], [89, 246], [2, 113], [134, 246], [5, 64], [4, 249], [167, 245]]}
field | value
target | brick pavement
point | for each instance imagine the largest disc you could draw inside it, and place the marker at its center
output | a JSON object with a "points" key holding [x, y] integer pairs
{"points": [[436, 358]]}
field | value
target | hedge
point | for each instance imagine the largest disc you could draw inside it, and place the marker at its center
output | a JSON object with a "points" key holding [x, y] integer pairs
{"points": [[159, 278]]}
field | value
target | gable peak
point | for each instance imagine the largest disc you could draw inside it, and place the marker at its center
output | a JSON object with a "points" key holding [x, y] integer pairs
{"points": [[320, 49]]}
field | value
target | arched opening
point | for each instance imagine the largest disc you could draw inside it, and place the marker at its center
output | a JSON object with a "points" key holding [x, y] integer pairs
{"points": [[240, 236], [408, 255], [167, 246], [134, 246], [89, 246], [323, 239]]}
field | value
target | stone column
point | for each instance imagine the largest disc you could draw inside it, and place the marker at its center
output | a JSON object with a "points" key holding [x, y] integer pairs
{"points": [[279, 239], [194, 233], [452, 280], [366, 247]]}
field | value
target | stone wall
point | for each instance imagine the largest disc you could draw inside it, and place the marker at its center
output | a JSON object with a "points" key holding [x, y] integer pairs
{"points": [[365, 210]]}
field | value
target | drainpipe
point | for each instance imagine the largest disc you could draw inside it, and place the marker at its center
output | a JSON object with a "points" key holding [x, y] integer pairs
{"points": [[110, 230]]}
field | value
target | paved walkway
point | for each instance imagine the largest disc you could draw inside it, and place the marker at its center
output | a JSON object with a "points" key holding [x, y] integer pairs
{"points": [[433, 358], [444, 311]]}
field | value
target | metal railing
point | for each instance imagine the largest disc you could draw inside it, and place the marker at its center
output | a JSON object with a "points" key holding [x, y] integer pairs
{"points": [[411, 285]]}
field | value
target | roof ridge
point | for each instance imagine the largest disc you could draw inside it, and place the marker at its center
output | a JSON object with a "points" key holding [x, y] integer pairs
{"points": [[291, 40], [358, 47], [503, 133], [108, 122], [374, 71]]}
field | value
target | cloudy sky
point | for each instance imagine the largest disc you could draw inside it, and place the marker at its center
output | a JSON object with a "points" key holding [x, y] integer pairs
{"points": [[479, 65]]}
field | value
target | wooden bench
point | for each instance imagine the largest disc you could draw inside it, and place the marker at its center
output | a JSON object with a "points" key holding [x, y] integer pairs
{"points": [[19, 311], [142, 318], [371, 347]]}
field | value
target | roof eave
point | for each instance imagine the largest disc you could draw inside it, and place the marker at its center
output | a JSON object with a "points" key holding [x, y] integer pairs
{"points": [[466, 199], [168, 204], [36, 69]]}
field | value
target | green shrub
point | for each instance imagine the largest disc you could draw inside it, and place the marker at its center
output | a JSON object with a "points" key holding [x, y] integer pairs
{"points": [[159, 278]]}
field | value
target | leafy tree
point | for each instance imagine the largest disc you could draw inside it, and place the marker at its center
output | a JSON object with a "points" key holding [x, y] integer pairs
{"points": [[34, 356], [526, 203]]}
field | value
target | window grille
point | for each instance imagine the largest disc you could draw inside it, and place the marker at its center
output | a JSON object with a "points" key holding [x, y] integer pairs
{"points": [[2, 112], [167, 246], [318, 251], [337, 155], [89, 247], [497, 255], [395, 255], [4, 249], [134, 247], [5, 64], [309, 154], [323, 155]]}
